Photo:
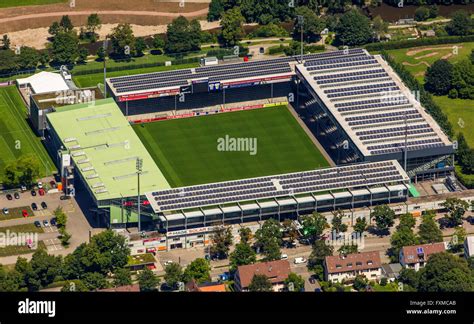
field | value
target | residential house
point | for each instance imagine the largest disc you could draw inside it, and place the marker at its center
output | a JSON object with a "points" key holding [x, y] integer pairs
{"points": [[469, 246], [346, 267], [193, 286], [416, 256], [276, 271]]}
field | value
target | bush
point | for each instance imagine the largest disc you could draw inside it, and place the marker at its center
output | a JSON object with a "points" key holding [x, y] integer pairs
{"points": [[418, 42], [270, 30], [453, 94]]}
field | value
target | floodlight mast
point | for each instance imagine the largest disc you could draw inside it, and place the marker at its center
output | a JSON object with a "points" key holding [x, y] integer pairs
{"points": [[139, 166]]}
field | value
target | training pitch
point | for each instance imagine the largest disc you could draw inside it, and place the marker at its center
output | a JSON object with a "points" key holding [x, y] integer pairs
{"points": [[188, 152]]}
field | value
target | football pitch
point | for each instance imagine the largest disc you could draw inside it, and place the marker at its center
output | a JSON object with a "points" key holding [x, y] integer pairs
{"points": [[16, 136], [199, 150]]}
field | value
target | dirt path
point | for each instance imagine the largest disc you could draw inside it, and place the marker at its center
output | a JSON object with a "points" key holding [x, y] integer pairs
{"points": [[419, 63], [413, 52]]}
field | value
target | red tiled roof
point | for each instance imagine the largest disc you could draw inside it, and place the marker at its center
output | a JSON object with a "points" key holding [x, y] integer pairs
{"points": [[276, 271], [351, 262], [411, 256], [128, 288]]}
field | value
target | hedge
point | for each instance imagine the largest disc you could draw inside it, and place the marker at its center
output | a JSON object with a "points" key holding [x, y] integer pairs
{"points": [[466, 179], [418, 42]]}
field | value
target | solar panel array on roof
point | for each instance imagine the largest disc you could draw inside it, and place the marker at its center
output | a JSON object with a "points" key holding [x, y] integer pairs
{"points": [[353, 176], [370, 104]]}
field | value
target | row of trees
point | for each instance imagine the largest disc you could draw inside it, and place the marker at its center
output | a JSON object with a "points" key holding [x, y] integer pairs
{"points": [[22, 171]]}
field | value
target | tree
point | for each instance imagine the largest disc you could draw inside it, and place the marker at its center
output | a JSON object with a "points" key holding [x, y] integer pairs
{"points": [[9, 280], [94, 281], [65, 48], [353, 29], [43, 270], [158, 42], [296, 280], [93, 24], [360, 225], [101, 54], [245, 234], [319, 252], [66, 24], [199, 270], [409, 278], [428, 230], [422, 14], [456, 208], [243, 254], [461, 24], [384, 218], [183, 36], [438, 77], [348, 249], [123, 40], [403, 236], [445, 272], [380, 26], [232, 27], [260, 283], [312, 25], [65, 237], [61, 217], [147, 280], [290, 230], [360, 283], [314, 225], [457, 241], [140, 46], [43, 58], [337, 224], [122, 277], [82, 54], [221, 242], [6, 42], [269, 239], [406, 220], [54, 29], [28, 58], [173, 274], [216, 8], [28, 166], [74, 286]]}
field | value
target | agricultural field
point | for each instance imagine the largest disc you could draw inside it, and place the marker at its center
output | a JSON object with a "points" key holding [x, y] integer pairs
{"points": [[418, 59], [18, 3], [186, 150], [16, 136]]}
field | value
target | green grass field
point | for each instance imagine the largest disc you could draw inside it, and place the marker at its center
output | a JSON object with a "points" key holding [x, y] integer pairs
{"points": [[460, 113], [186, 150], [17, 3], [16, 136], [417, 62]]}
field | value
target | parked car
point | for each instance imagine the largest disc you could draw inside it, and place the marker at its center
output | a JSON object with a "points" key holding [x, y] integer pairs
{"points": [[6, 211], [52, 183], [41, 192], [45, 223], [53, 221], [284, 257], [40, 185], [65, 197], [33, 193], [312, 280], [23, 188], [300, 260], [34, 206], [24, 213], [37, 224], [44, 205], [9, 197], [167, 263], [16, 195]]}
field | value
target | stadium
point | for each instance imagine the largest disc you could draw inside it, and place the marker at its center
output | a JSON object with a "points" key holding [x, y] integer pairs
{"points": [[333, 131]]}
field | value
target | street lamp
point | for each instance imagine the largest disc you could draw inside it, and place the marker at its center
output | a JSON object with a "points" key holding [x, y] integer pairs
{"points": [[139, 166], [105, 65], [301, 23]]}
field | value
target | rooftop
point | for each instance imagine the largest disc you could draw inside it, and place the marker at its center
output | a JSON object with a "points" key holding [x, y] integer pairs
{"points": [[420, 253], [70, 97], [276, 271], [105, 148], [353, 262], [44, 82]]}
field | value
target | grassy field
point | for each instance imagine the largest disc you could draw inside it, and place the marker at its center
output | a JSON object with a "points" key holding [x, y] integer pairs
{"points": [[16, 136], [17, 3], [91, 80], [460, 113], [186, 150], [16, 213], [21, 249], [29, 228], [417, 59]]}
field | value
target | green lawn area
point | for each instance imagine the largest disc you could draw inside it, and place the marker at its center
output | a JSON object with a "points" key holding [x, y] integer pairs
{"points": [[17, 3], [91, 80], [429, 54], [186, 150], [460, 113], [16, 136], [21, 249], [30, 228], [15, 213]]}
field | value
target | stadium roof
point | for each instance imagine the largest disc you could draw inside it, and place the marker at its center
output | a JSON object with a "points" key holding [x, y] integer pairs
{"points": [[104, 149], [371, 103], [44, 82], [354, 176]]}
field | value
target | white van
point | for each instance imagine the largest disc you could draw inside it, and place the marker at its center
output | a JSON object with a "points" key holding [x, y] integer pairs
{"points": [[300, 260]]}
